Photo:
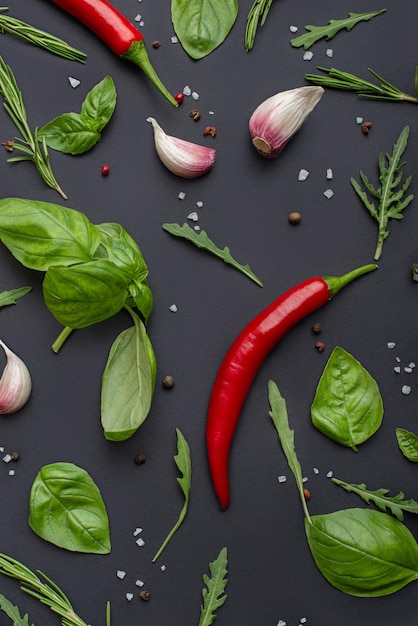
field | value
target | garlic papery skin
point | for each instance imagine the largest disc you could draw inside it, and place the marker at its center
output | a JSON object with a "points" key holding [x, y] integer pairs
{"points": [[15, 383], [278, 118], [183, 158]]}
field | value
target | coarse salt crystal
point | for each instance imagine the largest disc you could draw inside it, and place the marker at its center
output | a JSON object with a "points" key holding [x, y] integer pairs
{"points": [[281, 623], [211, 112], [330, 474], [329, 52], [397, 359], [305, 479], [329, 174], [187, 91], [173, 308], [303, 620], [328, 193], [406, 390], [74, 82], [308, 55], [281, 479], [293, 29], [397, 369], [163, 568], [412, 365], [197, 228], [303, 175], [138, 18], [199, 203], [7, 458], [121, 574], [391, 344], [129, 596], [174, 39], [137, 532], [195, 95], [315, 470], [139, 583], [140, 542], [181, 195], [11, 472], [359, 120], [193, 216], [408, 370], [1, 449]]}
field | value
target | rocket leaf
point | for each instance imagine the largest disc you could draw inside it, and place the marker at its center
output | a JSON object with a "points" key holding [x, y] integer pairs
{"points": [[214, 596], [331, 29], [10, 297], [396, 504], [201, 240], [13, 612]]}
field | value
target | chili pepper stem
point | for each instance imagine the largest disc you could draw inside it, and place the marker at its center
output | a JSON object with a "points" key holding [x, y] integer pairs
{"points": [[62, 337], [137, 54], [336, 283]]}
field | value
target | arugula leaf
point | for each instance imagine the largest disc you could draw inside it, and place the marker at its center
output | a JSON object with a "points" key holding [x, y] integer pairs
{"points": [[396, 504], [13, 612], [214, 596], [201, 240], [408, 444], [184, 464], [202, 25], [331, 29], [390, 200], [10, 297], [76, 133]]}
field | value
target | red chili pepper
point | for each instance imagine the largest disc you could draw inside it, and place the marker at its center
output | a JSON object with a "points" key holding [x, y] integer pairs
{"points": [[245, 357], [117, 32]]}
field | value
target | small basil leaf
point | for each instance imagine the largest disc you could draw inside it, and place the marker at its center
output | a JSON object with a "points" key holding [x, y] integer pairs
{"points": [[118, 246], [128, 383], [70, 133], [81, 295], [143, 298], [363, 552], [42, 234], [347, 406], [202, 25], [408, 444], [100, 103], [66, 509]]}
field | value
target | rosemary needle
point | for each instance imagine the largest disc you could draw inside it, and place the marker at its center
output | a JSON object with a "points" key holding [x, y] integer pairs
{"points": [[257, 16], [29, 145]]}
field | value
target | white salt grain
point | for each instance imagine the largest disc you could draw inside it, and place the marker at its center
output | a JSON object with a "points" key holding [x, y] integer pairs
{"points": [[174, 39], [137, 532], [193, 216], [74, 82], [129, 596], [1, 449], [163, 568], [281, 623], [121, 574], [397, 369], [281, 479], [412, 365], [181, 195], [359, 120], [197, 228], [199, 203], [408, 370], [330, 474], [305, 479], [7, 458], [187, 91], [406, 390], [138, 18], [139, 583], [11, 472], [308, 55], [391, 344], [303, 175], [329, 52], [329, 174], [397, 359], [173, 308], [315, 470], [303, 620], [140, 542], [293, 29], [328, 193], [195, 95]]}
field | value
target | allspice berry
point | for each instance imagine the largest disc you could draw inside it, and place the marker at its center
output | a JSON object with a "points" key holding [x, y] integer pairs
{"points": [[295, 217]]}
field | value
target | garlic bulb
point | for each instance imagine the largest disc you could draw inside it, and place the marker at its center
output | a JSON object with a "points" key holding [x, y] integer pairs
{"points": [[278, 118], [15, 383], [183, 158]]}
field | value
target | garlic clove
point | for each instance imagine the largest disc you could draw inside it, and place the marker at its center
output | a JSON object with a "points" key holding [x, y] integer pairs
{"points": [[277, 119], [183, 158], [15, 383]]}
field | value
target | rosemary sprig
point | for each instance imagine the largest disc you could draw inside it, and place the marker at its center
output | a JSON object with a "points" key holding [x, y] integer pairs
{"points": [[46, 592], [337, 79], [390, 200], [257, 16], [39, 38], [29, 145]]}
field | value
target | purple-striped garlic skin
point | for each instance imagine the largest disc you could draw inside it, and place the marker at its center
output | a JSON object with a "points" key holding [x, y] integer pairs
{"points": [[15, 383]]}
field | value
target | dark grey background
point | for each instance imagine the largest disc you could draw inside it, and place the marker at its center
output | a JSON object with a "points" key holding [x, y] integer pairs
{"points": [[246, 204]]}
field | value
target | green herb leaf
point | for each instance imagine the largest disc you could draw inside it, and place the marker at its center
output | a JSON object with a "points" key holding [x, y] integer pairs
{"points": [[13, 612], [257, 16], [408, 444], [396, 504], [202, 25], [10, 297], [389, 200], [184, 464], [120, 248], [201, 240], [214, 594], [347, 406], [66, 509], [76, 133], [128, 383], [363, 552], [42, 234], [331, 29]]}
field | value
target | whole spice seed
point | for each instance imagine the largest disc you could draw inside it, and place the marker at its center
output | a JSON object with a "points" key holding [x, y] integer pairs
{"points": [[210, 130], [140, 459], [105, 170], [295, 217], [320, 346], [365, 127], [194, 113], [179, 97], [317, 328], [168, 382], [307, 494], [156, 44], [145, 595]]}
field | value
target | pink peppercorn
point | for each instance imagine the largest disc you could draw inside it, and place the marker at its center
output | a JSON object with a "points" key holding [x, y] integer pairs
{"points": [[179, 97], [105, 170]]}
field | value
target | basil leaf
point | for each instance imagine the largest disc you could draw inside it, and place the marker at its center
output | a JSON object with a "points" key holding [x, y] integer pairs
{"points": [[83, 294], [363, 552], [70, 133], [128, 383], [66, 509], [120, 248], [42, 234], [408, 444], [202, 25], [347, 406], [100, 103]]}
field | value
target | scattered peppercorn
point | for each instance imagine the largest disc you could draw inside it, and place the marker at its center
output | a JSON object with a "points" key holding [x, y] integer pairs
{"points": [[168, 382], [320, 346], [15, 456], [295, 217], [307, 494], [317, 328], [140, 459], [156, 44], [194, 113], [179, 97], [144, 595], [105, 170], [365, 127], [210, 130]]}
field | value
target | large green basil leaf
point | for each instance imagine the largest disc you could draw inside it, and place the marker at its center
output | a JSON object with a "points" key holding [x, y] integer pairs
{"points": [[70, 133], [202, 25], [128, 383], [66, 509], [100, 103], [363, 552], [42, 234], [408, 444], [81, 295], [347, 406], [118, 246]]}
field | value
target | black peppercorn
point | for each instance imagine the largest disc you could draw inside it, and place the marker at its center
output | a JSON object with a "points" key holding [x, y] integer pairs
{"points": [[140, 459], [168, 382]]}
